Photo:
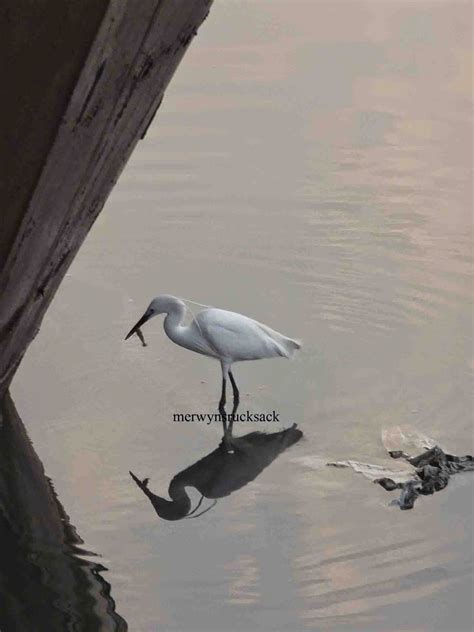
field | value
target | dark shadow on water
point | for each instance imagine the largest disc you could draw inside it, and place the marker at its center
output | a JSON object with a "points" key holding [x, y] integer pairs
{"points": [[45, 584], [219, 473]]}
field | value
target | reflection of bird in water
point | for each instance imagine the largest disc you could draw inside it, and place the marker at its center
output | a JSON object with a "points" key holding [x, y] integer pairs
{"points": [[226, 336], [218, 475]]}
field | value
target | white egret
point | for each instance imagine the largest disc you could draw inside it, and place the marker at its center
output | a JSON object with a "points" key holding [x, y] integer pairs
{"points": [[226, 336]]}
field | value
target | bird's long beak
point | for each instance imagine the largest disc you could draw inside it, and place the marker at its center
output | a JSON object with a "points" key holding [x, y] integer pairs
{"points": [[141, 322]]}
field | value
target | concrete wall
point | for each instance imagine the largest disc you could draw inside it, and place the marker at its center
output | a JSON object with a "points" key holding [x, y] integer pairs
{"points": [[84, 79]]}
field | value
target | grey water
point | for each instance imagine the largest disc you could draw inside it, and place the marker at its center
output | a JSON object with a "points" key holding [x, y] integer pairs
{"points": [[310, 167]]}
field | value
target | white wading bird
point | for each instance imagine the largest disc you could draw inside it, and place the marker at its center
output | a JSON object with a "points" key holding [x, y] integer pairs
{"points": [[226, 336]]}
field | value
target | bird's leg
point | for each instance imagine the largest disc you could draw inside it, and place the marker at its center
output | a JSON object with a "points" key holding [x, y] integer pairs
{"points": [[222, 405], [236, 395], [227, 432]]}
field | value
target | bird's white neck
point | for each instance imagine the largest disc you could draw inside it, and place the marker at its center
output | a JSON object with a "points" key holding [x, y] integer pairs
{"points": [[173, 324]]}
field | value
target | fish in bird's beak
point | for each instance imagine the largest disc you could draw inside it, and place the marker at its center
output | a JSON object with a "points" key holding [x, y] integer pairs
{"points": [[136, 328]]}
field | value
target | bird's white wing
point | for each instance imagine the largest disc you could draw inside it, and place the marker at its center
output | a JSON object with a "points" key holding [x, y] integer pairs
{"points": [[238, 337]]}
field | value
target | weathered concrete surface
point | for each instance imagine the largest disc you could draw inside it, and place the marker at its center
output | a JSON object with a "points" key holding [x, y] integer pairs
{"points": [[42, 53], [86, 79], [43, 585]]}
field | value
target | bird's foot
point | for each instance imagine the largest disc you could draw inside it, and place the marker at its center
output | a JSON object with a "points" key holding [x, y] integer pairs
{"points": [[226, 442]]}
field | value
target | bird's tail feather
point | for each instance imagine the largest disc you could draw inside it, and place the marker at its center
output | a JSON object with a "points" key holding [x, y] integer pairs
{"points": [[287, 347], [291, 346]]}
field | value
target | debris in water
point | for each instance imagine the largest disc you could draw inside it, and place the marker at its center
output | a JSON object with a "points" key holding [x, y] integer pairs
{"points": [[422, 468], [433, 469], [419, 466]]}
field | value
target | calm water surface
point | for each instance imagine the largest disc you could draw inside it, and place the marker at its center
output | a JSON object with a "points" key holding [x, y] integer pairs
{"points": [[310, 167]]}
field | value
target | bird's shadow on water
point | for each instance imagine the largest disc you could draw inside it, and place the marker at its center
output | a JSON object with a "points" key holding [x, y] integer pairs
{"points": [[45, 581], [219, 473]]}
